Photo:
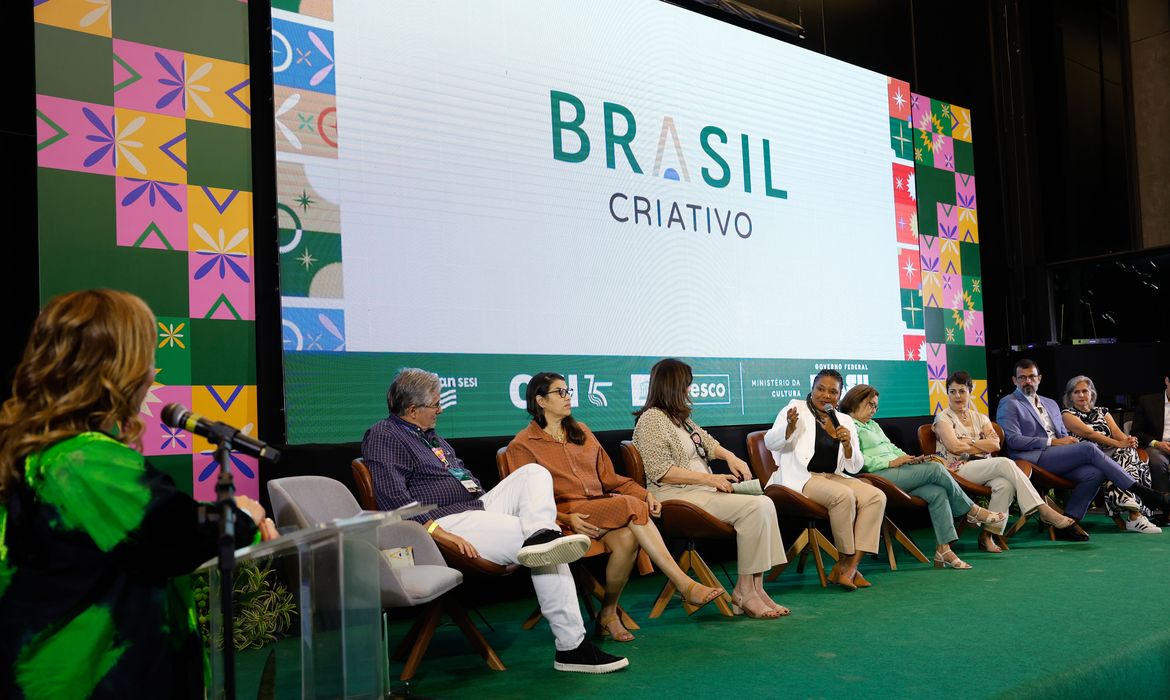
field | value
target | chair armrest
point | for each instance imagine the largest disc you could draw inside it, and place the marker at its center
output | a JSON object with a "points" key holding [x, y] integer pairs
{"points": [[895, 496]]}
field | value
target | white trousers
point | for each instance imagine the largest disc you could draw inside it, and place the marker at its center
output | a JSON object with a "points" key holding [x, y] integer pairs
{"points": [[517, 507], [1007, 483]]}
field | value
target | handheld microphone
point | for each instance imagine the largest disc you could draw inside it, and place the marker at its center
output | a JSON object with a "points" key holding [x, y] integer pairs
{"points": [[178, 416], [828, 408]]}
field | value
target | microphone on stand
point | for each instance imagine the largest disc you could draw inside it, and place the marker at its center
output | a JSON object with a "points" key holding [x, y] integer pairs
{"points": [[178, 416]]}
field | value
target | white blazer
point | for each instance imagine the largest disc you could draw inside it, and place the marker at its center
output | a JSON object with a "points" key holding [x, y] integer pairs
{"points": [[793, 454]]}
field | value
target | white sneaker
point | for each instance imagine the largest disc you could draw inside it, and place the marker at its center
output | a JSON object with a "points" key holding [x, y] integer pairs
{"points": [[1142, 524]]}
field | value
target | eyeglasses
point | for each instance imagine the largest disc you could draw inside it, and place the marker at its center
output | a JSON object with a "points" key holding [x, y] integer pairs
{"points": [[872, 404], [433, 406], [562, 392], [698, 440], [1028, 377]]}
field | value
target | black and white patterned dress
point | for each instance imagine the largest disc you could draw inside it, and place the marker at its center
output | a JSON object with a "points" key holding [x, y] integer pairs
{"points": [[1117, 501]]}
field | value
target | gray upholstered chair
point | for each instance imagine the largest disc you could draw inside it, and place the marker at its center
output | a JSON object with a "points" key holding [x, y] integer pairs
{"points": [[308, 501]]}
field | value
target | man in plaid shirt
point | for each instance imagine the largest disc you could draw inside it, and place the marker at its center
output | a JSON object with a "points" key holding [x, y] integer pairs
{"points": [[514, 523]]}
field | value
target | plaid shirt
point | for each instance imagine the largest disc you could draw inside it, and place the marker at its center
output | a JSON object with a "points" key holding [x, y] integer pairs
{"points": [[405, 468]]}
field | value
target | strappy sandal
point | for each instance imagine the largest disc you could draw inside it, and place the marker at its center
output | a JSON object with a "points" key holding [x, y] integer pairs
{"points": [[988, 544], [1057, 520], [604, 630], [948, 558], [982, 516], [739, 605], [689, 598]]}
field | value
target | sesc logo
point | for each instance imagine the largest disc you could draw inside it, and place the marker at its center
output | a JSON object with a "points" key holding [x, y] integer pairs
{"points": [[519, 384], [710, 389], [705, 390]]}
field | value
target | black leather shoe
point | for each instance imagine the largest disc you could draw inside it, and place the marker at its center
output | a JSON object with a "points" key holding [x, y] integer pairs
{"points": [[1071, 534]]}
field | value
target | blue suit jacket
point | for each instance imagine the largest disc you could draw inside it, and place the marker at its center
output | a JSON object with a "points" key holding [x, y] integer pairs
{"points": [[1023, 432]]}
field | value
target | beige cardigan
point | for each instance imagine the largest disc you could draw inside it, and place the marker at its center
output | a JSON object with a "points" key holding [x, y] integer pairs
{"points": [[658, 443]]}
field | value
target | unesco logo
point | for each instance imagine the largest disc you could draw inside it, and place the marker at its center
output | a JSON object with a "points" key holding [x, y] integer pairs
{"points": [[705, 389]]}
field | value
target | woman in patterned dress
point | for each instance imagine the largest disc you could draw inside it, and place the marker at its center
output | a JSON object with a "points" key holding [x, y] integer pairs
{"points": [[595, 501], [1092, 423]]}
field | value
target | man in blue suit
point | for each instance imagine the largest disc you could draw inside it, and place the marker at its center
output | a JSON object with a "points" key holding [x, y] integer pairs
{"points": [[1034, 431]]}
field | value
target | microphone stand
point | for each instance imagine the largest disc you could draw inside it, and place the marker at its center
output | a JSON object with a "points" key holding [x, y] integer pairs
{"points": [[224, 491]]}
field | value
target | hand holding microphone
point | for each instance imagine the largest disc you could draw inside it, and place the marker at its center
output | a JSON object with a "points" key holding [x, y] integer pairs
{"points": [[840, 433]]}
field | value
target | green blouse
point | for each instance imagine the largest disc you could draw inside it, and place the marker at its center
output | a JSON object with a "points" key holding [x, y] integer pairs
{"points": [[876, 449], [93, 597]]}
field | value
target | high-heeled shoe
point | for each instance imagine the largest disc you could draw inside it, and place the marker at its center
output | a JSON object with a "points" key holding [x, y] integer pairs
{"points": [[1049, 516], [860, 581], [989, 545], [850, 585], [604, 630], [689, 598], [982, 516], [948, 558], [738, 607]]}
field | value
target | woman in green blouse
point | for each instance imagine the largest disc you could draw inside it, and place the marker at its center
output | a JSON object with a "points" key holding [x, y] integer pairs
{"points": [[920, 476], [94, 542]]}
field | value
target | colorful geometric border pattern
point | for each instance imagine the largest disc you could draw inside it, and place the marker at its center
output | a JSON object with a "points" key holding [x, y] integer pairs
{"points": [[307, 181], [948, 246], [144, 184]]}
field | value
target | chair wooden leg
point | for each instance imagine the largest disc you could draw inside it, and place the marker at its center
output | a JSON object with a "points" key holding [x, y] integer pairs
{"points": [[892, 533], [594, 588], [429, 620], [1019, 525], [407, 642], [532, 619], [820, 542], [667, 593], [478, 642], [707, 578], [795, 549], [889, 545], [1118, 522]]}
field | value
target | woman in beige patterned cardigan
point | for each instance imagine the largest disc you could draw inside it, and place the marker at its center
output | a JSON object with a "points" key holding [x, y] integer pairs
{"points": [[675, 452]]}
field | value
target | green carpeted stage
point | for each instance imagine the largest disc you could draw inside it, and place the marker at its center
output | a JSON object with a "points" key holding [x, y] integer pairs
{"points": [[1044, 620]]}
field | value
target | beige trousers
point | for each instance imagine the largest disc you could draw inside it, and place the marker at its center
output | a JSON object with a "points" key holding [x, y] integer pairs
{"points": [[855, 510], [757, 534], [1007, 483]]}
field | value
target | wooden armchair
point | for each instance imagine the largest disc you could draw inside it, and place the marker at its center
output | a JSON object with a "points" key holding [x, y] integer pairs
{"points": [[928, 443], [792, 504], [688, 522]]}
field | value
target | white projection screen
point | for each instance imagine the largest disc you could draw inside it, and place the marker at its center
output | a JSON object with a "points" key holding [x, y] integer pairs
{"points": [[493, 189]]}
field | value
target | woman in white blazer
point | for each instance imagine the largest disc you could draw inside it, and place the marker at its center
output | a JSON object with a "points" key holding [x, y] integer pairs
{"points": [[816, 457]]}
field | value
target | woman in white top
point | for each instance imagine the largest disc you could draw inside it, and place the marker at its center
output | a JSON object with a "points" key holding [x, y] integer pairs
{"points": [[817, 452], [966, 439]]}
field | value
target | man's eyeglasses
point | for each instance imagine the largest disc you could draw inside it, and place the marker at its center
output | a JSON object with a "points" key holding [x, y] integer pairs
{"points": [[433, 406], [1028, 377], [562, 392]]}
